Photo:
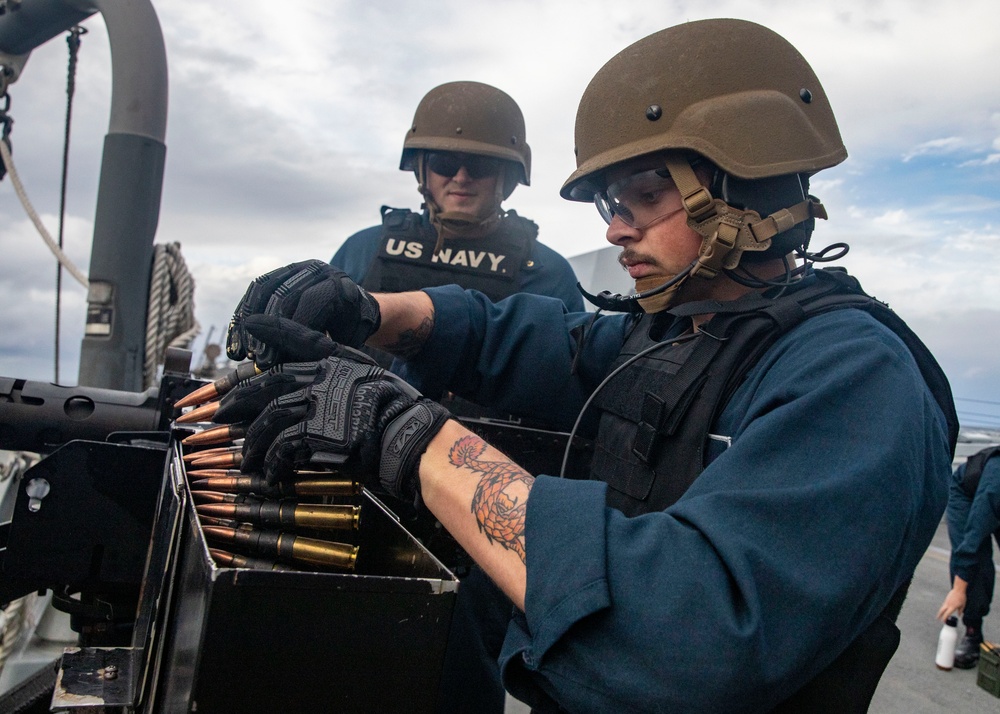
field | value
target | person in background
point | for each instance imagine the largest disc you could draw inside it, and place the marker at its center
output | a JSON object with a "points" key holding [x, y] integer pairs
{"points": [[973, 514], [467, 148]]}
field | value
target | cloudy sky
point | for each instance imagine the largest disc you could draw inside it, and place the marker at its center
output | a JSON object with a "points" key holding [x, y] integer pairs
{"points": [[286, 122]]}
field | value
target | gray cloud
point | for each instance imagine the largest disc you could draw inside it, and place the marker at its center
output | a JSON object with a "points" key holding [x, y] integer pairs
{"points": [[286, 120]]}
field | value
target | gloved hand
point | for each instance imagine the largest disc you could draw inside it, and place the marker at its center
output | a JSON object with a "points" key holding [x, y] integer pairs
{"points": [[312, 293], [337, 411], [289, 341]]}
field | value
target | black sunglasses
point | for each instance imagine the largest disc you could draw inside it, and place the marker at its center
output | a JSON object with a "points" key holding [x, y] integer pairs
{"points": [[448, 163]]}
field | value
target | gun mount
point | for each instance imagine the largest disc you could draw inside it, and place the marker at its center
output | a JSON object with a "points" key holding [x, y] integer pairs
{"points": [[107, 522]]}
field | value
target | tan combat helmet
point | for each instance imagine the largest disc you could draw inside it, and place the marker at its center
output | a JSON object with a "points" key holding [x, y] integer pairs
{"points": [[733, 92], [471, 118]]}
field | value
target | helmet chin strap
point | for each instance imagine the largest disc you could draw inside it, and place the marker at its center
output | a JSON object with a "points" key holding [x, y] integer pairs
{"points": [[728, 232], [659, 300], [456, 224]]}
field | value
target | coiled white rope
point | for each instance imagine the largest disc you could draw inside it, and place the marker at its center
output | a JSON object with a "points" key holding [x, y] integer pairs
{"points": [[170, 320], [29, 209]]}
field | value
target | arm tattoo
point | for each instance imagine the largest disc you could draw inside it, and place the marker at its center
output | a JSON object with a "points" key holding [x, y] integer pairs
{"points": [[501, 498], [410, 342]]}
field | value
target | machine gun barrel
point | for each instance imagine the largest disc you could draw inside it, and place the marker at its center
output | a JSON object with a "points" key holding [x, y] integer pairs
{"points": [[40, 416]]}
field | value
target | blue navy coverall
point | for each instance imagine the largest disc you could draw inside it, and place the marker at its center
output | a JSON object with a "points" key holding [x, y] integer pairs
{"points": [[786, 547], [970, 523]]}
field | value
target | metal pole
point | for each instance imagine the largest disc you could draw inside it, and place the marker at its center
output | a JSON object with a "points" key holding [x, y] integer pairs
{"points": [[131, 183]]}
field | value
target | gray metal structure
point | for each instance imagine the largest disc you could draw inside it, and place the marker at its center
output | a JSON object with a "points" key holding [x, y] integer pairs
{"points": [[107, 523], [131, 182]]}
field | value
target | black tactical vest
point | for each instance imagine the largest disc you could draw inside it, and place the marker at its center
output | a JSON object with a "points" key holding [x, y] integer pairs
{"points": [[655, 427], [974, 466], [656, 417], [491, 265]]}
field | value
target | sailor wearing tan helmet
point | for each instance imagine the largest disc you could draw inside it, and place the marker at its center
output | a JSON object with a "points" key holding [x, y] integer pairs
{"points": [[467, 148], [741, 542]]}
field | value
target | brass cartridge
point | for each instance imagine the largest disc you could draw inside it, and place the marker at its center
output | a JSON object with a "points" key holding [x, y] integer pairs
{"points": [[219, 387]]}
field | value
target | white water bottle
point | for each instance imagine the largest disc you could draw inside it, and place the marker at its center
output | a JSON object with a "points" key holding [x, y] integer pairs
{"points": [[947, 640]]}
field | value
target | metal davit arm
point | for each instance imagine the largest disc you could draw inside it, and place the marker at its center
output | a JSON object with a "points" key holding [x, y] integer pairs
{"points": [[26, 24], [128, 200]]}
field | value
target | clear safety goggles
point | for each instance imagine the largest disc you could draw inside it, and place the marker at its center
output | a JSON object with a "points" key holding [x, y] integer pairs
{"points": [[641, 199]]}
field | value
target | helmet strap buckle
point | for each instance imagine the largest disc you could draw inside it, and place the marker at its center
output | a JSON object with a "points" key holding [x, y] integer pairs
{"points": [[717, 248], [727, 231], [722, 227], [696, 199]]}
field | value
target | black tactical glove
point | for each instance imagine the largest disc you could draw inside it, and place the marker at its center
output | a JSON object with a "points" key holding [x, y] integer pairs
{"points": [[312, 293], [338, 411], [250, 397], [289, 341]]}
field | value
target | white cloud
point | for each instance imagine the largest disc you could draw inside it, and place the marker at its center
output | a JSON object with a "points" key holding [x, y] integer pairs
{"points": [[891, 218], [988, 161], [947, 145]]}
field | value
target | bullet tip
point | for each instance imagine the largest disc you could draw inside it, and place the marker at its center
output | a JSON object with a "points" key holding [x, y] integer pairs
{"points": [[204, 413], [215, 435], [200, 395]]}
